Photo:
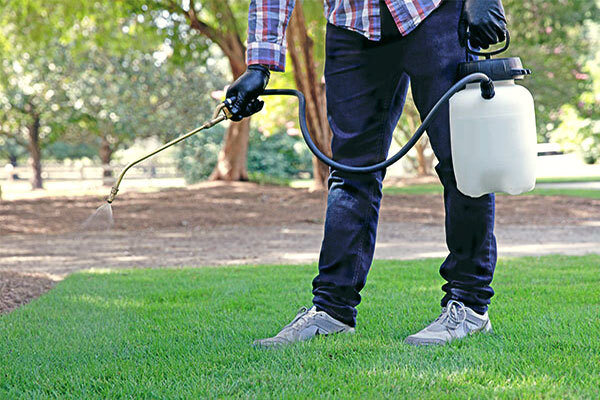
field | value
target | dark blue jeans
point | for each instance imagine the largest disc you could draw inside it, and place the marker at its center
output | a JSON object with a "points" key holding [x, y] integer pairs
{"points": [[366, 85]]}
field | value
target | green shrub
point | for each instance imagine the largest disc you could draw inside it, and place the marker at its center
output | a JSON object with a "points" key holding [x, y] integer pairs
{"points": [[577, 134], [198, 154], [62, 150], [275, 158], [278, 156]]}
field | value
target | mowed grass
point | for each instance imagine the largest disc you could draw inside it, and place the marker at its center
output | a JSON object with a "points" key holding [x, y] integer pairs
{"points": [[421, 189], [569, 179], [186, 333]]}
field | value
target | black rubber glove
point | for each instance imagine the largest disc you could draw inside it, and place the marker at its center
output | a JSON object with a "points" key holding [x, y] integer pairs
{"points": [[242, 96], [485, 21]]}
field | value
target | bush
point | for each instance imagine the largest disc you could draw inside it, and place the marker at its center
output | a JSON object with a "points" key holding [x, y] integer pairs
{"points": [[198, 154], [275, 158], [62, 150], [278, 156], [577, 134]]}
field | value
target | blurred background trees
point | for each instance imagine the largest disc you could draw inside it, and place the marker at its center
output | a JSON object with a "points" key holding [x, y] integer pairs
{"points": [[32, 101], [86, 79], [559, 40]]}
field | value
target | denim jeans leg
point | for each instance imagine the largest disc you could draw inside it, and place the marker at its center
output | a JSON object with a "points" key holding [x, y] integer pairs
{"points": [[365, 95], [469, 268]]}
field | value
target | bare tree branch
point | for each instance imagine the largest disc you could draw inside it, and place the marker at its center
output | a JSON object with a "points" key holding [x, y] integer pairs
{"points": [[201, 26], [231, 18]]}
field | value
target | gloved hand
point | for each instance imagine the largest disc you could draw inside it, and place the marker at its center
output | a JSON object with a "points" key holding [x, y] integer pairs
{"points": [[485, 21], [242, 96]]}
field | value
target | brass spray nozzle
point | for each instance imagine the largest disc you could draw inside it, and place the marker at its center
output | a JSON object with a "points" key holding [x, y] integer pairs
{"points": [[113, 193]]}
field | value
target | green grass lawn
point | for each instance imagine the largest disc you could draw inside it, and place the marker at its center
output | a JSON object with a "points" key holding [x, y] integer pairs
{"points": [[186, 333], [435, 188], [569, 179], [429, 188]]}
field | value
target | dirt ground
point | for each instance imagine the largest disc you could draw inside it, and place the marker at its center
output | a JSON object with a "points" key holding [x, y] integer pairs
{"points": [[216, 223], [214, 204], [17, 289]]}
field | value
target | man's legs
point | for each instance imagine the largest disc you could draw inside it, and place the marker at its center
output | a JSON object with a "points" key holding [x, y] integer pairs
{"points": [[469, 267], [366, 90]]}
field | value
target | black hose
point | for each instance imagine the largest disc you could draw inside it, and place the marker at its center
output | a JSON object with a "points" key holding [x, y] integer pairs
{"points": [[487, 89]]}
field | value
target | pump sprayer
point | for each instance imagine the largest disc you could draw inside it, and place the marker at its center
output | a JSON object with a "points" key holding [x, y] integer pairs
{"points": [[492, 123], [493, 140]]}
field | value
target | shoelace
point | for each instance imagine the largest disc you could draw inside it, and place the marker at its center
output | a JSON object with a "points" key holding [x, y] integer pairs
{"points": [[453, 314], [299, 320], [301, 315]]}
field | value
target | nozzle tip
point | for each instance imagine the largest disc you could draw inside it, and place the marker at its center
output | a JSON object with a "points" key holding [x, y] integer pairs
{"points": [[112, 195]]}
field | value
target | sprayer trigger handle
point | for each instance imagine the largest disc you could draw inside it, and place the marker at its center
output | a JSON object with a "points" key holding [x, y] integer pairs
{"points": [[487, 55]]}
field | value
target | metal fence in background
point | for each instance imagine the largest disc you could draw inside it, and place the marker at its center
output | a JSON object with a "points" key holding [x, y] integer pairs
{"points": [[62, 172]]}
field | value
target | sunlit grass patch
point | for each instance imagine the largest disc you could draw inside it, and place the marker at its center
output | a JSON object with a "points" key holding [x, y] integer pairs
{"points": [[421, 189]]}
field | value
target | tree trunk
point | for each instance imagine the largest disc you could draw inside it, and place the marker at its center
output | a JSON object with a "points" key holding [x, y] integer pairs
{"points": [[35, 152], [423, 162], [232, 162], [231, 165], [105, 153], [300, 47]]}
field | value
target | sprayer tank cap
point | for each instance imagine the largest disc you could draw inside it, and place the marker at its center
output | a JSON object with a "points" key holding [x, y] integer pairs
{"points": [[498, 69]]}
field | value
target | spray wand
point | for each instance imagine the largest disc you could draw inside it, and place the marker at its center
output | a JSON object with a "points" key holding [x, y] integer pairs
{"points": [[222, 113]]}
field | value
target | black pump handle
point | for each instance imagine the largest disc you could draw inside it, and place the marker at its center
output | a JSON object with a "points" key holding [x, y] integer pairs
{"points": [[487, 55]]}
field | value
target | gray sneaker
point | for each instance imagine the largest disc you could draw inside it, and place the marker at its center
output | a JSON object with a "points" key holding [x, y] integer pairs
{"points": [[307, 324], [455, 322]]}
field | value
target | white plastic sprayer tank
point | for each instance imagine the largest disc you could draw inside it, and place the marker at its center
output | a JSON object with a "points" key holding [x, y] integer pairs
{"points": [[494, 140]]}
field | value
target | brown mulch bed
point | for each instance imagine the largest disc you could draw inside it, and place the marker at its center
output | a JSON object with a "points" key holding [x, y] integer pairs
{"points": [[17, 289], [247, 204]]}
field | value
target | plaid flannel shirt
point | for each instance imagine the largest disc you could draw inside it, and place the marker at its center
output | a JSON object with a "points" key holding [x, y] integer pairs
{"points": [[268, 20]]}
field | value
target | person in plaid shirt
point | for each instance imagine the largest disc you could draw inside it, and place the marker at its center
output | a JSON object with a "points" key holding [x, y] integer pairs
{"points": [[375, 49]]}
